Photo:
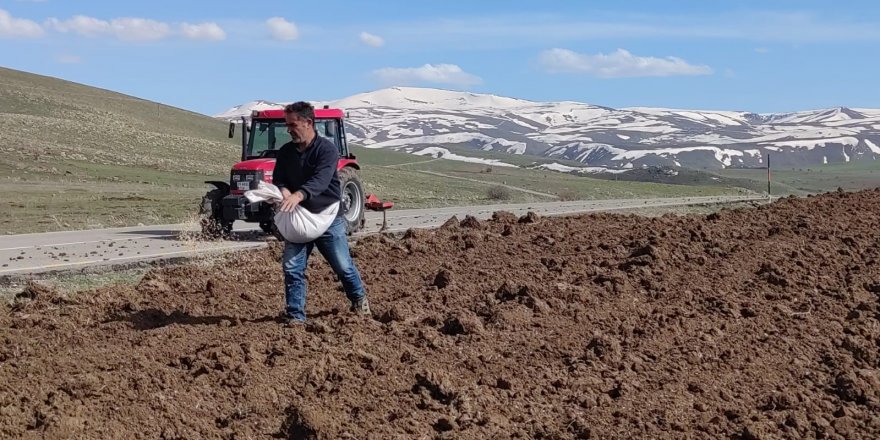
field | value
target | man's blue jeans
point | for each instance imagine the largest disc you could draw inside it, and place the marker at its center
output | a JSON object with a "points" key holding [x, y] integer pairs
{"points": [[333, 245]]}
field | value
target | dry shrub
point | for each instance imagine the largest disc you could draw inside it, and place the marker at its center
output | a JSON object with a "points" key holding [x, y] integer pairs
{"points": [[498, 192], [568, 195]]}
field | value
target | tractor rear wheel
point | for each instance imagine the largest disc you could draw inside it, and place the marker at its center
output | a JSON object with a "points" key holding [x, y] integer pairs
{"points": [[211, 215], [352, 199]]}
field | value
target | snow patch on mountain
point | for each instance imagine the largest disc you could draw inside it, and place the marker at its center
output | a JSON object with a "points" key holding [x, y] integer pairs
{"points": [[813, 143], [238, 111], [442, 153], [452, 138], [554, 166], [407, 117], [722, 155]]}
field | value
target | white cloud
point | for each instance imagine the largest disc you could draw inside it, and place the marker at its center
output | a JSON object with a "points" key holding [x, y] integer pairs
{"points": [[372, 40], [18, 27], [203, 31], [618, 64], [80, 24], [68, 59], [282, 29], [139, 29], [429, 73], [136, 29], [762, 50], [125, 29]]}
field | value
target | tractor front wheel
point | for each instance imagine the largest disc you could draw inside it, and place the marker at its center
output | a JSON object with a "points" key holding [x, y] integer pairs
{"points": [[352, 199], [270, 228], [211, 215]]}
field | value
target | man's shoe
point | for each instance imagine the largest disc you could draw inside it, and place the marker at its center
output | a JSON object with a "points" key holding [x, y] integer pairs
{"points": [[361, 307], [288, 322]]}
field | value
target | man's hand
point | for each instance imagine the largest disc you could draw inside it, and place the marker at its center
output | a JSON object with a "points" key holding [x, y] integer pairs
{"points": [[290, 200]]}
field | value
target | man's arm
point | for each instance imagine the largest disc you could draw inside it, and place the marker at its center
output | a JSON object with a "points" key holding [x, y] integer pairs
{"points": [[320, 181], [281, 180], [279, 174]]}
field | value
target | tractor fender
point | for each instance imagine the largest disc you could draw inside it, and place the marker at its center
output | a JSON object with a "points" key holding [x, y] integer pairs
{"points": [[347, 163], [223, 186]]}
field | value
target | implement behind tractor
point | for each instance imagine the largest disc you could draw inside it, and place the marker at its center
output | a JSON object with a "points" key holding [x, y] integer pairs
{"points": [[261, 138]]}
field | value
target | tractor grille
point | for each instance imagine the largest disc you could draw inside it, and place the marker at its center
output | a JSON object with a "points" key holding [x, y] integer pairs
{"points": [[245, 180]]}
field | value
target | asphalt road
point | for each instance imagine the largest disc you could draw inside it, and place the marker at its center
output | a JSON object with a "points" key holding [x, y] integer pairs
{"points": [[73, 250]]}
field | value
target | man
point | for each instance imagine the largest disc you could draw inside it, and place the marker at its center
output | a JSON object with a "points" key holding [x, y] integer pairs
{"points": [[305, 171]]}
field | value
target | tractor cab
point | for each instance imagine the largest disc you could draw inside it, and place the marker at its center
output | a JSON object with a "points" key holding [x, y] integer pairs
{"points": [[266, 133], [262, 136]]}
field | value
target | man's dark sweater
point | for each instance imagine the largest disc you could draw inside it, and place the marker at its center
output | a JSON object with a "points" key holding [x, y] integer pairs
{"points": [[313, 172]]}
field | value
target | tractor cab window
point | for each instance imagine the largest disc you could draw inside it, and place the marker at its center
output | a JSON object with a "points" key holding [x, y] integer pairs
{"points": [[327, 129], [268, 136]]}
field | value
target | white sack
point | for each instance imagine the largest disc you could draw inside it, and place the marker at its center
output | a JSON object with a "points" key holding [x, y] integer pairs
{"points": [[265, 192], [300, 225]]}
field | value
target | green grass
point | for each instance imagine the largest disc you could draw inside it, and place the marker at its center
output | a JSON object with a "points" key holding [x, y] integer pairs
{"points": [[393, 176], [383, 157], [411, 189], [810, 180], [567, 185], [48, 202]]}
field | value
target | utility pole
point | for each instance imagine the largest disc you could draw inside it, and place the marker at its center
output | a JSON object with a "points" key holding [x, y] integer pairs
{"points": [[768, 177]]}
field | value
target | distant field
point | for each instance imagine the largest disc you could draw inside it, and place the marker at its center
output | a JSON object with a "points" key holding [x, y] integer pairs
{"points": [[72, 194], [380, 157], [566, 185], [95, 196], [821, 178]]}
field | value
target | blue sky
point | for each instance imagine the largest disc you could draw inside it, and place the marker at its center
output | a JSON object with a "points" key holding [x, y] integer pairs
{"points": [[207, 56]]}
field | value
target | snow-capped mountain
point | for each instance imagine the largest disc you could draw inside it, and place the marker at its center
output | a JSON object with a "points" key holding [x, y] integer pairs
{"points": [[235, 113], [412, 119]]}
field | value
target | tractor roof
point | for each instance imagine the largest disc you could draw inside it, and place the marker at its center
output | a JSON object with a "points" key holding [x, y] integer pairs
{"points": [[320, 113]]}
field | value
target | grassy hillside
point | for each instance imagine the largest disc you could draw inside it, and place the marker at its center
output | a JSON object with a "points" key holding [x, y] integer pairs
{"points": [[74, 156], [46, 120]]}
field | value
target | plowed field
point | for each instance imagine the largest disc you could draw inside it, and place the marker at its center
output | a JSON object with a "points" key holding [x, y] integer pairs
{"points": [[749, 323]]}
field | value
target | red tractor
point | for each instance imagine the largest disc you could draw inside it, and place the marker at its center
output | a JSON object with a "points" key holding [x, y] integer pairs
{"points": [[261, 138]]}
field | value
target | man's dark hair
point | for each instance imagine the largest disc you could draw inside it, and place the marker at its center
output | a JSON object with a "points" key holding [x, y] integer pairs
{"points": [[301, 109]]}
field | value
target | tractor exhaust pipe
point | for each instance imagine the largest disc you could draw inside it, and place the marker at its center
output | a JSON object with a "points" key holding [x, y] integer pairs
{"points": [[244, 137]]}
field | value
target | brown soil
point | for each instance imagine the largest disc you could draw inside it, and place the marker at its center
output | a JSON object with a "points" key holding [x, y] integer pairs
{"points": [[745, 324]]}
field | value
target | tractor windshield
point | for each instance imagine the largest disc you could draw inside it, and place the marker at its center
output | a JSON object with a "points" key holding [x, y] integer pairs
{"points": [[272, 135]]}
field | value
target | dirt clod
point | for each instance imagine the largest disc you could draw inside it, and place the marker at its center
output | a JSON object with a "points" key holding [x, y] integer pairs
{"points": [[443, 279], [452, 223], [471, 222], [529, 217], [503, 217]]}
